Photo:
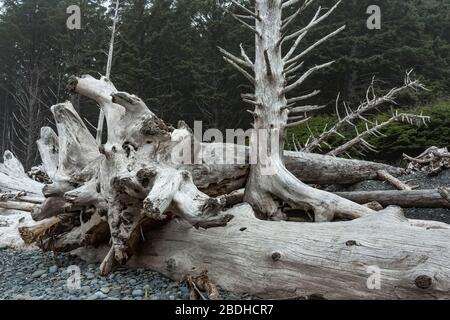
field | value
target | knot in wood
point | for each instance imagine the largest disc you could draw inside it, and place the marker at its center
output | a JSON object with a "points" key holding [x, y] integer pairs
{"points": [[276, 256], [423, 282], [352, 243], [171, 264]]}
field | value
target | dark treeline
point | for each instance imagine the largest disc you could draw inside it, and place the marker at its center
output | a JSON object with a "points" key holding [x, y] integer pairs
{"points": [[166, 53]]}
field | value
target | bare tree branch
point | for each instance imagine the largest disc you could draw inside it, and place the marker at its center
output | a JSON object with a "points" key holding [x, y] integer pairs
{"points": [[305, 52], [315, 21], [305, 76]]}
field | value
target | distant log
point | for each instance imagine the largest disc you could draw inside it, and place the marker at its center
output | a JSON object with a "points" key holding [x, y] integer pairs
{"points": [[403, 198]]}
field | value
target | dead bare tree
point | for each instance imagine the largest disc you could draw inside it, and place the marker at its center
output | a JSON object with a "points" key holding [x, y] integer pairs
{"points": [[28, 118], [5, 118], [114, 194], [101, 118]]}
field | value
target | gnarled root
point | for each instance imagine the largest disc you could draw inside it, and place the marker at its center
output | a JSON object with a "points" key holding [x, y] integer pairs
{"points": [[263, 189], [172, 193]]}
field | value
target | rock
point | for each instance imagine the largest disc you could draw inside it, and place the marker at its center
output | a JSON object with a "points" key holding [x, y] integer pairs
{"points": [[105, 290], [53, 269], [184, 291], [3, 247], [89, 275], [101, 295], [132, 282], [126, 292], [137, 293], [38, 273], [86, 289], [93, 297], [115, 292]]}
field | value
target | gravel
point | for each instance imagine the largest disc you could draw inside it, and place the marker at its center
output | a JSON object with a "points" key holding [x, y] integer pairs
{"points": [[34, 275]]}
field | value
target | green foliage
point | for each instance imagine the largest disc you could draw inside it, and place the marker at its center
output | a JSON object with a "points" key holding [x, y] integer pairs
{"points": [[400, 137]]}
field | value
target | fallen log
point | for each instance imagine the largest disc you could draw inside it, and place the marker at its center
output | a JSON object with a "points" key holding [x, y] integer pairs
{"points": [[20, 197], [216, 178], [19, 206], [319, 169], [279, 260], [402, 198], [400, 185]]}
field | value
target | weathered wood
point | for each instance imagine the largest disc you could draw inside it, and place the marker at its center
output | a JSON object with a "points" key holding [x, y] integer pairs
{"points": [[401, 198], [14, 179], [282, 260], [432, 161], [19, 206], [269, 179], [326, 170], [384, 175]]}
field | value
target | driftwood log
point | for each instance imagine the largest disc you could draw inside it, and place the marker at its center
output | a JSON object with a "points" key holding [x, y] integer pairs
{"points": [[147, 196], [279, 260], [405, 198]]}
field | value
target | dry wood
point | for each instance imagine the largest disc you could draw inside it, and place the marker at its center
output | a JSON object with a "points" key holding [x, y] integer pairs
{"points": [[393, 180], [404, 198], [433, 161], [115, 193], [13, 178], [288, 259], [19, 206]]}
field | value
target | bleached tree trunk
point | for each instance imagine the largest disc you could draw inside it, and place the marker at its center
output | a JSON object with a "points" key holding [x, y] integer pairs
{"points": [[269, 179], [288, 260]]}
